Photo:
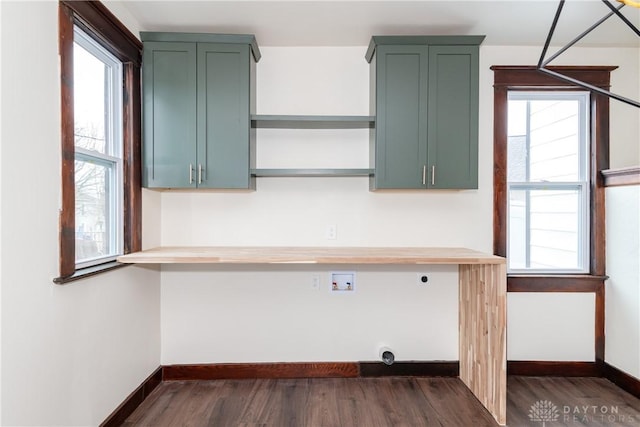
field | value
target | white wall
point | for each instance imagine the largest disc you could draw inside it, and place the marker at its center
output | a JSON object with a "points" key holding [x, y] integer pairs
{"points": [[0, 232], [267, 314], [622, 314], [246, 313], [555, 327], [72, 353]]}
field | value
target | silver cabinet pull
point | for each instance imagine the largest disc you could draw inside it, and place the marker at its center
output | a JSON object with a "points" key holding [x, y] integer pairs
{"points": [[200, 174], [424, 175], [190, 173], [433, 175]]}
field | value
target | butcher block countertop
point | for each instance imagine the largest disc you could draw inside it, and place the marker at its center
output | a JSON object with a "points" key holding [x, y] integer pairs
{"points": [[308, 255]]}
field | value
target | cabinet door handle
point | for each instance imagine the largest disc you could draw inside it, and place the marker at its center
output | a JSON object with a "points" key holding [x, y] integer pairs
{"points": [[200, 174], [424, 175], [190, 173], [433, 175]]}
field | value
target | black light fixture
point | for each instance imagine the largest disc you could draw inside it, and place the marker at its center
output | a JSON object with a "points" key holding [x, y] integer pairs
{"points": [[542, 63]]}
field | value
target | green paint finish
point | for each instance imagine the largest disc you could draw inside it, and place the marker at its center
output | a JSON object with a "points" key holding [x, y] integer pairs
{"points": [[169, 114], [312, 122], [198, 101], [424, 40], [426, 104], [223, 115], [241, 39], [400, 129], [453, 118]]}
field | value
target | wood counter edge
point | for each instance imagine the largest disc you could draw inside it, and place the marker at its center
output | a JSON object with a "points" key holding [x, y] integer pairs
{"points": [[308, 255]]}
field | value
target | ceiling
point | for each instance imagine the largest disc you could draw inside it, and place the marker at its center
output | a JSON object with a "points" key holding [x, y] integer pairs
{"points": [[352, 23]]}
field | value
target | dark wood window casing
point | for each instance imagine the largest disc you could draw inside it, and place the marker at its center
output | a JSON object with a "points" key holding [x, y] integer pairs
{"points": [[511, 78], [95, 19]]}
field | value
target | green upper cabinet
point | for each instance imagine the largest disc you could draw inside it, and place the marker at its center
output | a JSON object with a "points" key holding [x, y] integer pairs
{"points": [[199, 95], [225, 136], [424, 94], [452, 122], [400, 148], [169, 111]]}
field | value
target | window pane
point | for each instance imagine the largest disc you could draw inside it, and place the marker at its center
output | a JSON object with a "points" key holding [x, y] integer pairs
{"points": [[517, 141], [94, 215], [555, 133], [544, 229], [90, 100], [517, 118], [98, 151], [544, 140]]}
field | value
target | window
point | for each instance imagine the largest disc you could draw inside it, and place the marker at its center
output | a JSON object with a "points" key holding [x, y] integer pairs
{"points": [[548, 182], [100, 122], [98, 152], [522, 88], [551, 142]]}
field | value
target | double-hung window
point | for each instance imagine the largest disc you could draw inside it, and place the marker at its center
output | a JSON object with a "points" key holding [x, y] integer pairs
{"points": [[100, 215], [98, 152], [548, 182], [551, 144]]}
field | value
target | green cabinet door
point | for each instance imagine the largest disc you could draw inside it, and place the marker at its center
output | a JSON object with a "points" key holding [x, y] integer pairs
{"points": [[401, 131], [224, 116], [453, 117], [425, 97], [169, 115]]}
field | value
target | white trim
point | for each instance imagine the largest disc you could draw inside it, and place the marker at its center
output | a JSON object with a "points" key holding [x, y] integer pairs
{"points": [[95, 261], [90, 154], [581, 186], [112, 158]]}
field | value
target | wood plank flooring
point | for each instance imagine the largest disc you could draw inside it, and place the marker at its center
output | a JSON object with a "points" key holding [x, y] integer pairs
{"points": [[371, 402], [579, 401]]}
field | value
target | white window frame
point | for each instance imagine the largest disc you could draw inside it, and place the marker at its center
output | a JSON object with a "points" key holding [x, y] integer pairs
{"points": [[582, 185], [113, 159]]}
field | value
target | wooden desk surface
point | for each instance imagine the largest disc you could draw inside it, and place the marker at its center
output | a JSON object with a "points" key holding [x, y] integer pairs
{"points": [[309, 255]]}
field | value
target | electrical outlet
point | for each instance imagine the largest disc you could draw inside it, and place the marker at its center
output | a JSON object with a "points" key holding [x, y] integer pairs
{"points": [[422, 279], [315, 282], [331, 232]]}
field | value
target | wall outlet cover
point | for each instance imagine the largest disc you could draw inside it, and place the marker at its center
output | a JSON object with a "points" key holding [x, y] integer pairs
{"points": [[331, 232]]}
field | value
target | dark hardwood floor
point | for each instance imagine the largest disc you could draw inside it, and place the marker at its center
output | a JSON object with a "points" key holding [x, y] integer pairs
{"points": [[395, 401], [578, 401]]}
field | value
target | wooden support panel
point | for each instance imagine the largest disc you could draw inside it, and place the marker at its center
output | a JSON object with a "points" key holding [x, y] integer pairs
{"points": [[483, 319]]}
